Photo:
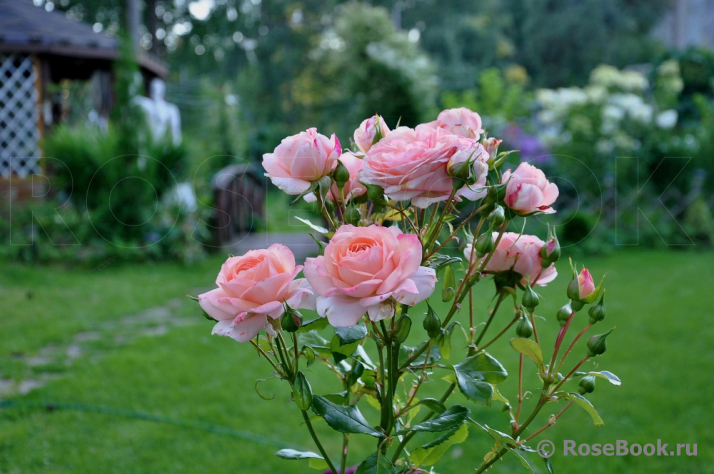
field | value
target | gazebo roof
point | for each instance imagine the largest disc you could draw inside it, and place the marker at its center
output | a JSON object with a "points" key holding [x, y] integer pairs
{"points": [[25, 28]]}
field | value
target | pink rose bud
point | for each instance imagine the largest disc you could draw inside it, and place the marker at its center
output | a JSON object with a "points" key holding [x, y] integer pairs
{"points": [[582, 289], [370, 132], [586, 285], [253, 288], [550, 253], [368, 270], [528, 191], [461, 121], [301, 160], [469, 165], [491, 145]]}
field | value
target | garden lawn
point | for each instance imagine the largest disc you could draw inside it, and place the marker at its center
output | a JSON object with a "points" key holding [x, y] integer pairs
{"points": [[165, 396]]}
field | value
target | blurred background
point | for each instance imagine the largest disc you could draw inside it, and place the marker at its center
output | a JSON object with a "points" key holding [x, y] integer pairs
{"points": [[131, 134]]}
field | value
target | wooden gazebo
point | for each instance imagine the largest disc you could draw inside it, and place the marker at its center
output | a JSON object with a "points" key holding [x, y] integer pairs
{"points": [[38, 48]]}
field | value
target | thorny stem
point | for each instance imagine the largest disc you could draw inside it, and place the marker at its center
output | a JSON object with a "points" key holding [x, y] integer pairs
{"points": [[472, 328], [439, 221], [345, 436], [453, 234], [520, 389], [338, 204], [570, 347], [407, 406], [460, 294], [306, 417], [281, 353], [297, 352], [410, 435], [265, 355], [501, 297], [323, 210], [577, 366], [517, 430], [559, 342], [499, 334], [550, 423], [531, 315]]}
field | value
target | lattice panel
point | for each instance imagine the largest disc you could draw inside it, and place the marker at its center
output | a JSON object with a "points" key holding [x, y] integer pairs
{"points": [[19, 151]]}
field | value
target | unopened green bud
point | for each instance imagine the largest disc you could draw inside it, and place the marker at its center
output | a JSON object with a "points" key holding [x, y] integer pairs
{"points": [[550, 252], [374, 192], [572, 290], [597, 312], [341, 174], [484, 244], [596, 345], [448, 284], [432, 323], [530, 299], [291, 320], [462, 172], [586, 385], [497, 192], [564, 314], [524, 328], [352, 215], [402, 329], [497, 216]]}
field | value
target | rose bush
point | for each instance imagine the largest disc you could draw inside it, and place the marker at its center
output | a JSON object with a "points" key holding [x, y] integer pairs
{"points": [[390, 207]]}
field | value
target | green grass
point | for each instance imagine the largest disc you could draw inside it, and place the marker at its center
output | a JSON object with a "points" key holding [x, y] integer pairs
{"points": [[212, 420]]}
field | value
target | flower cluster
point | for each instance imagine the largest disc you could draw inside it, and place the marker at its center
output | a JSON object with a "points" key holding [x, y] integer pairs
{"points": [[394, 209]]}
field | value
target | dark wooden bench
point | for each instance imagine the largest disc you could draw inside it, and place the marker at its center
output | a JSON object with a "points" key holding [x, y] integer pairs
{"points": [[239, 198]]}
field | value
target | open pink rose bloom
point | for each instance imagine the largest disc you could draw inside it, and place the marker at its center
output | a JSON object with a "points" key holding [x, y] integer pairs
{"points": [[301, 160], [366, 270], [253, 288], [414, 164], [521, 254]]}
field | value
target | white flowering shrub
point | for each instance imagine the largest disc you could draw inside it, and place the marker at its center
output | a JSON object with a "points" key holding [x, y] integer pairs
{"points": [[617, 114]]}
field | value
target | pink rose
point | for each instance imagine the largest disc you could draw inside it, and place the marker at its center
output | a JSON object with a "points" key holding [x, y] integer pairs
{"points": [[366, 270], [301, 159], [520, 254], [528, 191], [254, 287], [369, 130], [461, 121], [413, 165]]}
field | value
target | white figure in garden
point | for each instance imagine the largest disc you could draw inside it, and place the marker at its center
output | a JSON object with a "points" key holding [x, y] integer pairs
{"points": [[162, 117]]}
